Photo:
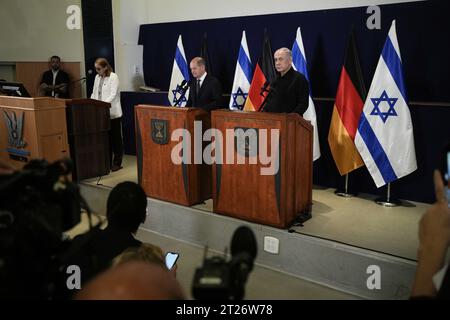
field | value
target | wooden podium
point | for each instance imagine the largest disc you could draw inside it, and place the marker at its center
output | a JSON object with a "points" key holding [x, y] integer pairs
{"points": [[241, 191], [32, 128], [187, 183], [88, 124]]}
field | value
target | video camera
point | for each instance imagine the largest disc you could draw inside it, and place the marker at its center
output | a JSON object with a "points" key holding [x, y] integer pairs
{"points": [[37, 204], [219, 279]]}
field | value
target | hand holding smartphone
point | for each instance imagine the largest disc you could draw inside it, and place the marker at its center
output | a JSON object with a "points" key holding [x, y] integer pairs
{"points": [[171, 259], [446, 172]]}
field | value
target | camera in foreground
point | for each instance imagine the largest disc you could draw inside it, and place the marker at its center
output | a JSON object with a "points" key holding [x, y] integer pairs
{"points": [[219, 279]]}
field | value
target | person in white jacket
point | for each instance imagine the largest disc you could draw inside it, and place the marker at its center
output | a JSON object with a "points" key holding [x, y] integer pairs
{"points": [[106, 88]]}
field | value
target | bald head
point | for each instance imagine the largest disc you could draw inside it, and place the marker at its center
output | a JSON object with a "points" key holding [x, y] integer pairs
{"points": [[133, 281], [197, 67], [283, 60]]}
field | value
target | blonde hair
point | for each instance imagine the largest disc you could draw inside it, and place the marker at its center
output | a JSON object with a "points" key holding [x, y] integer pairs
{"points": [[104, 64], [145, 252]]}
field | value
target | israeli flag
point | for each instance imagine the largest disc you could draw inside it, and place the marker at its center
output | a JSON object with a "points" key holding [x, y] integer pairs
{"points": [[385, 134], [242, 77], [179, 93], [299, 64]]}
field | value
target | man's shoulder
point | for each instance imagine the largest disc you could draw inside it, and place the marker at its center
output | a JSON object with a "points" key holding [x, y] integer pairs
{"points": [[63, 72], [212, 80], [47, 73], [299, 75]]}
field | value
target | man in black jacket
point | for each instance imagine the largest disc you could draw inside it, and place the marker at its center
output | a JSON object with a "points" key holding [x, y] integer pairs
{"points": [[55, 82], [94, 251], [289, 92], [205, 91]]}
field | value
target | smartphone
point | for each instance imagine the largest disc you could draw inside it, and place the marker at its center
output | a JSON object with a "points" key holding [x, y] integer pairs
{"points": [[171, 259], [446, 172]]}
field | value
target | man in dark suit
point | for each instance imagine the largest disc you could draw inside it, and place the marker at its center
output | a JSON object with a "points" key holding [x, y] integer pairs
{"points": [[289, 92], [94, 251], [55, 82], [205, 91]]}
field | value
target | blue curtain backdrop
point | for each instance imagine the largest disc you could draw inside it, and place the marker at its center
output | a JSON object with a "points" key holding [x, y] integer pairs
{"points": [[422, 28], [423, 33]]}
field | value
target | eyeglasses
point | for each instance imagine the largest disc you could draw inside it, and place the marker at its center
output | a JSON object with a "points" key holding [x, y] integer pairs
{"points": [[98, 69]]}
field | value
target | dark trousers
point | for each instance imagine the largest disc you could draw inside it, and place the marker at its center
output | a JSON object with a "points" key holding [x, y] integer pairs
{"points": [[116, 142]]}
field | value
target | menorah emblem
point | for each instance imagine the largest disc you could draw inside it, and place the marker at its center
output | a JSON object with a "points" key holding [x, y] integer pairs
{"points": [[160, 131]]}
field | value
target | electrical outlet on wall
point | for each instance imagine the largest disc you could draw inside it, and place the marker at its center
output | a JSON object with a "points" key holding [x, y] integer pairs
{"points": [[271, 245]]}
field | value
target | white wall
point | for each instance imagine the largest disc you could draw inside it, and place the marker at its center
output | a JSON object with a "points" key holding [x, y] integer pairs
{"points": [[178, 10], [129, 14], [127, 17], [34, 30]]}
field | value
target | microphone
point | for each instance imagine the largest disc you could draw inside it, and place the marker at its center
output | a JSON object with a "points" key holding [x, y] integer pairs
{"points": [[264, 88], [184, 85], [244, 247], [63, 85], [273, 87], [269, 94], [244, 241], [243, 253]]}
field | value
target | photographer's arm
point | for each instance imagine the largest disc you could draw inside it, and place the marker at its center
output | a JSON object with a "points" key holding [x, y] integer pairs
{"points": [[5, 169], [434, 236]]}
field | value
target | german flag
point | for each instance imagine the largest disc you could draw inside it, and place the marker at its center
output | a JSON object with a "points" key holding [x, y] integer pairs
{"points": [[204, 53], [264, 73], [349, 104]]}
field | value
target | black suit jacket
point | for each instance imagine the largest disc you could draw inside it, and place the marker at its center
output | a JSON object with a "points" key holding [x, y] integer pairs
{"points": [[61, 77], [210, 95], [288, 94], [94, 251]]}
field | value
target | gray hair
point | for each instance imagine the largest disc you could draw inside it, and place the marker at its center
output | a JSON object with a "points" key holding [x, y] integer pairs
{"points": [[200, 61], [285, 51]]}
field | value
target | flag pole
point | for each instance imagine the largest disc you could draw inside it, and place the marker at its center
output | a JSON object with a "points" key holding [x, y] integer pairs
{"points": [[388, 201], [345, 194]]}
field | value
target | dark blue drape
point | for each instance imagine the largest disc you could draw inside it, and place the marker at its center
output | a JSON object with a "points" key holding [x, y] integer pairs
{"points": [[422, 30]]}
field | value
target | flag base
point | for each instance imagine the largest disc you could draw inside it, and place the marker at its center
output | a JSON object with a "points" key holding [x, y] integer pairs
{"points": [[389, 203], [344, 194]]}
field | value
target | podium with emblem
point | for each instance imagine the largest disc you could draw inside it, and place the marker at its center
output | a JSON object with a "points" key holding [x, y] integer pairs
{"points": [[266, 174], [32, 128], [166, 140]]}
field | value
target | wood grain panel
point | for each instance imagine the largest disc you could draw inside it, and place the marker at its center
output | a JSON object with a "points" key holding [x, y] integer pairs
{"points": [[241, 191], [44, 129], [186, 184], [30, 74]]}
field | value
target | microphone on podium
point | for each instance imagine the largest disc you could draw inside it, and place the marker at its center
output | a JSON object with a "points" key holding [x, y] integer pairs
{"points": [[183, 87], [264, 88], [70, 83]]}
